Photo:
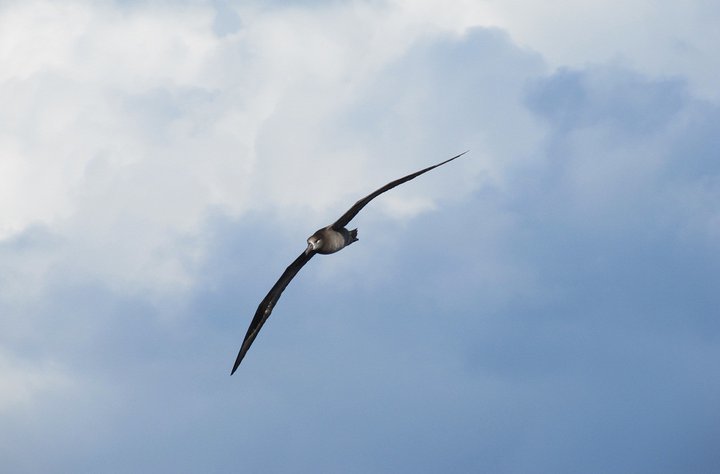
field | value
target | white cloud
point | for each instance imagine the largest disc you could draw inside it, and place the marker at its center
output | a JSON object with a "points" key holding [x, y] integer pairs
{"points": [[656, 38], [123, 124]]}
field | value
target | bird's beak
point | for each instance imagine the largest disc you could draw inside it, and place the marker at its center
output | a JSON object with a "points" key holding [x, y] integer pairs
{"points": [[309, 249]]}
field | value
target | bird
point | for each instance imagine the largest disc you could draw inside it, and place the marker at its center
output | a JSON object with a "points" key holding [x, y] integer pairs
{"points": [[325, 241]]}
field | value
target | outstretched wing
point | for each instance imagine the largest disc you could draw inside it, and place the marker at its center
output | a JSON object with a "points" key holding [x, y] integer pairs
{"points": [[352, 212], [267, 305]]}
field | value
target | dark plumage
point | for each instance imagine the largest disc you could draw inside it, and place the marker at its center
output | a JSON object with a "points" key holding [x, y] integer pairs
{"points": [[325, 241]]}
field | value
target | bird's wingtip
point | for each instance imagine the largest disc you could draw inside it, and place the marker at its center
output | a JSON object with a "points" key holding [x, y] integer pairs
{"points": [[458, 155], [454, 157], [236, 365]]}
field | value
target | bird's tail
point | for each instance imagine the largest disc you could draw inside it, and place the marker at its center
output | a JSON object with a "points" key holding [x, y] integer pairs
{"points": [[353, 236]]}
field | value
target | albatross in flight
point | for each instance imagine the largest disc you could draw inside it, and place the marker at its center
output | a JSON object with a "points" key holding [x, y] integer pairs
{"points": [[325, 241]]}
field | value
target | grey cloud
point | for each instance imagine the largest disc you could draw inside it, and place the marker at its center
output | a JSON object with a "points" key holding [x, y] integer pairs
{"points": [[598, 355], [610, 95]]}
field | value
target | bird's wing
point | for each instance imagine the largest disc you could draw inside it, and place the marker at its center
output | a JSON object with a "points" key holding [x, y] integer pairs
{"points": [[352, 212], [268, 303]]}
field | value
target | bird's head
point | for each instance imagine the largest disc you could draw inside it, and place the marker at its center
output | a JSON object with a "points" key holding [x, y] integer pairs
{"points": [[314, 243]]}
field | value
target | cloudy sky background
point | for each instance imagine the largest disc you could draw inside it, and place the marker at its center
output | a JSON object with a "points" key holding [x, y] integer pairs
{"points": [[548, 303]]}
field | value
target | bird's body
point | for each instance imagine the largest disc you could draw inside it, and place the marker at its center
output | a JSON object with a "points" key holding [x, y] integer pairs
{"points": [[327, 240]]}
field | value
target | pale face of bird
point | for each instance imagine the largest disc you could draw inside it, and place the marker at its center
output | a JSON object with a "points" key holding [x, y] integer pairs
{"points": [[314, 244]]}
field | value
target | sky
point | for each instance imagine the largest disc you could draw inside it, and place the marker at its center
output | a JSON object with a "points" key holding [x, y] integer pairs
{"points": [[547, 303]]}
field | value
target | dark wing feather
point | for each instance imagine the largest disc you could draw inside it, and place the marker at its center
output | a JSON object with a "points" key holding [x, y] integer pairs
{"points": [[352, 212], [267, 305]]}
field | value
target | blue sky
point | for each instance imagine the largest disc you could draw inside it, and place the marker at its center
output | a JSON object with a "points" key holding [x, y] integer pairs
{"points": [[546, 304]]}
